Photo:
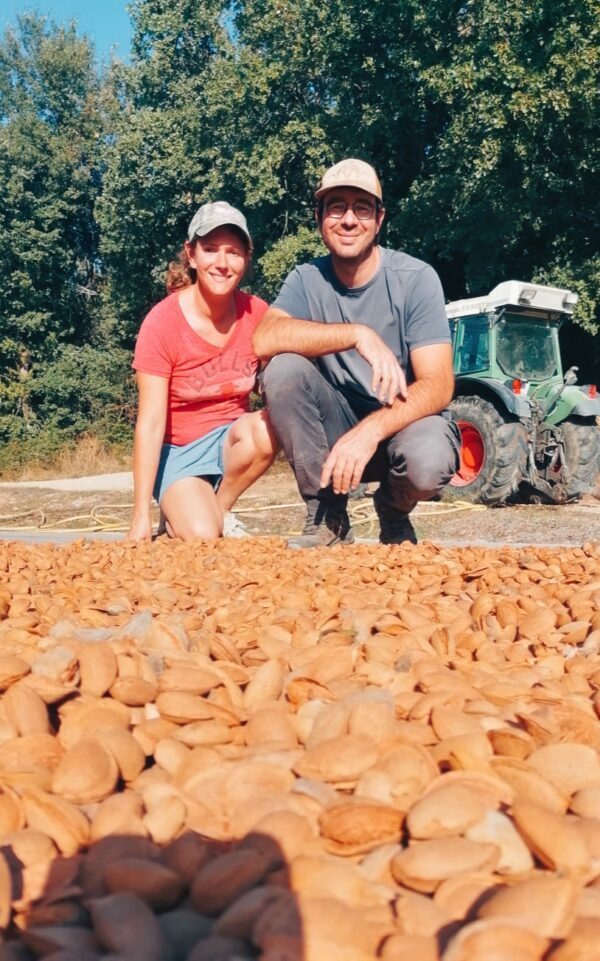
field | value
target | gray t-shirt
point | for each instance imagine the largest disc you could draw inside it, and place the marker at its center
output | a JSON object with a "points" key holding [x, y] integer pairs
{"points": [[403, 302]]}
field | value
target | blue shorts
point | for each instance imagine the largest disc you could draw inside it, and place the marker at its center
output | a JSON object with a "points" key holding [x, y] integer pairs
{"points": [[200, 458]]}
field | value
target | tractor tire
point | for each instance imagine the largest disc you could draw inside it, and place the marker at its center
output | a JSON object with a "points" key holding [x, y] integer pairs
{"points": [[581, 439], [493, 454]]}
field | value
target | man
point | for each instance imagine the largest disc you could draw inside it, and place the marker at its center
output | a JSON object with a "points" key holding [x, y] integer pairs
{"points": [[361, 368]]}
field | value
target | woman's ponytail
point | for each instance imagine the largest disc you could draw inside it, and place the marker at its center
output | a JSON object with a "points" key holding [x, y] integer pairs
{"points": [[179, 273]]}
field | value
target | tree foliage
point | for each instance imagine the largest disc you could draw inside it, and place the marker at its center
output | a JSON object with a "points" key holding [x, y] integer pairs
{"points": [[480, 116], [509, 184], [81, 390], [49, 178], [160, 155]]}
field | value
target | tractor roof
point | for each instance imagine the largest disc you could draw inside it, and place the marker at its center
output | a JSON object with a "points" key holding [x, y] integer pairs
{"points": [[516, 293]]}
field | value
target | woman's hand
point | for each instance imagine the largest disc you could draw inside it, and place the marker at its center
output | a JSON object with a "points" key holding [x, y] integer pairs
{"points": [[140, 529], [148, 438]]}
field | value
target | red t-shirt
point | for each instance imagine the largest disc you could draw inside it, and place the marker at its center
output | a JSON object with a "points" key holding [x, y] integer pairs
{"points": [[209, 386]]}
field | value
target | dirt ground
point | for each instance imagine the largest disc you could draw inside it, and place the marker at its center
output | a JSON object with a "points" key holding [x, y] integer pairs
{"points": [[273, 506]]}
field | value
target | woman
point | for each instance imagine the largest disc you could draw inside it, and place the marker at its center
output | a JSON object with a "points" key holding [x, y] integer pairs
{"points": [[196, 446]]}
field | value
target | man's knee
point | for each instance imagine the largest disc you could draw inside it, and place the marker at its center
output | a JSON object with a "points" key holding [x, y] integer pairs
{"points": [[286, 373], [426, 455]]}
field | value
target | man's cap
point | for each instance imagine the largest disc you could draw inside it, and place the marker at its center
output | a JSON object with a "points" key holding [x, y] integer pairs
{"points": [[218, 214], [350, 173]]}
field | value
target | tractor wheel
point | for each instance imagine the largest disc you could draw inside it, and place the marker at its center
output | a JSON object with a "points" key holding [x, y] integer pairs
{"points": [[493, 454], [581, 439]]}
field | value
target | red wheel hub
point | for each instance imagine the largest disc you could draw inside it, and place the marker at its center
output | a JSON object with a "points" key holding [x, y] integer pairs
{"points": [[472, 455]]}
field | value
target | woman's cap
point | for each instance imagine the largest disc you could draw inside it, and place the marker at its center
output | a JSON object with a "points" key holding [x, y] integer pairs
{"points": [[350, 173], [218, 214]]}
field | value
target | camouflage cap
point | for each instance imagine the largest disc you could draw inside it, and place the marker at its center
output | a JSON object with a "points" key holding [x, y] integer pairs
{"points": [[218, 214]]}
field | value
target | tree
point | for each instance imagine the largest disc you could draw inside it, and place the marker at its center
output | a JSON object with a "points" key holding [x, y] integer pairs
{"points": [[248, 101], [479, 117], [507, 187], [49, 176], [159, 157]]}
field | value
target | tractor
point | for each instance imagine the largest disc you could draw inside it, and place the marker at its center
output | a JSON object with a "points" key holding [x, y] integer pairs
{"points": [[528, 431]]}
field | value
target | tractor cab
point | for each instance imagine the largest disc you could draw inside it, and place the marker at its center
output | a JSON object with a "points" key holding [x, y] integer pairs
{"points": [[512, 333]]}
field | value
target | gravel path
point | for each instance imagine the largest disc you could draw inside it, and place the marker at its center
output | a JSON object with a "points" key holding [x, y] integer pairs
{"points": [[63, 510], [99, 482]]}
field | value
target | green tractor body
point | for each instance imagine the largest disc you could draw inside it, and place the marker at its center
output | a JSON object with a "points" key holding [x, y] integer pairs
{"points": [[527, 429]]}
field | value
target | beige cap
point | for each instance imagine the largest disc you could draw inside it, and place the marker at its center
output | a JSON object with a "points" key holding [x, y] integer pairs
{"points": [[218, 214], [350, 173]]}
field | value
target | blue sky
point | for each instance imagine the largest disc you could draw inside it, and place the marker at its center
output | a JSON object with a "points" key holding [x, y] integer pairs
{"points": [[106, 22]]}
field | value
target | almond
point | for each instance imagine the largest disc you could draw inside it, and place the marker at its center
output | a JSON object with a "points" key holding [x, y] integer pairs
{"points": [[497, 939], [568, 766], [544, 905], [342, 759], [220, 882], [87, 772], [444, 812], [553, 838], [425, 864], [359, 826], [126, 751], [126, 926], [12, 669], [26, 710], [155, 884], [97, 668], [59, 819]]}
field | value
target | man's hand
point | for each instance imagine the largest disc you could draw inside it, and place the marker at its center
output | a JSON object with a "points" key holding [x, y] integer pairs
{"points": [[388, 381], [348, 458]]}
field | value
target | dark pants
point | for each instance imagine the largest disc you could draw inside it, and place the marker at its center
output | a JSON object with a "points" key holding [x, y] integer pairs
{"points": [[310, 415]]}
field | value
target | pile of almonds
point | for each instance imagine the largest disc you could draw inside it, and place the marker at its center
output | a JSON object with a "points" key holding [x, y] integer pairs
{"points": [[235, 751]]}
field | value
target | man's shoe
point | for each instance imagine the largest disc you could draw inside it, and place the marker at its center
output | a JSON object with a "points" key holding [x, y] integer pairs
{"points": [[325, 529], [395, 526]]}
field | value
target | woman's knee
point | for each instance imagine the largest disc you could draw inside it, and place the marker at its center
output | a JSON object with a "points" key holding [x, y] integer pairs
{"points": [[265, 438], [256, 435], [206, 529], [191, 510]]}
